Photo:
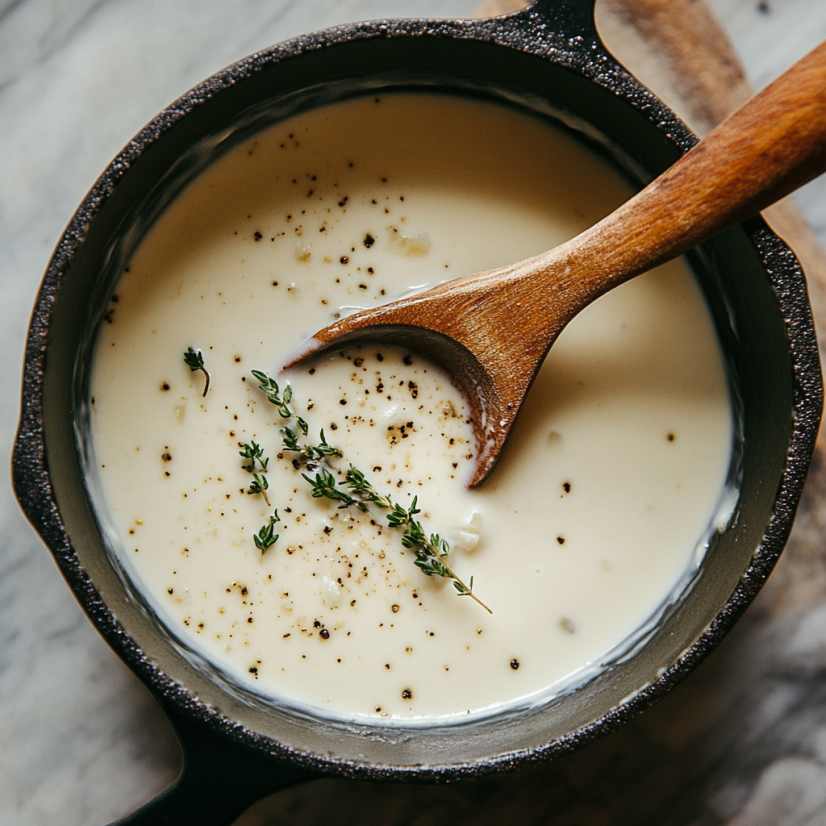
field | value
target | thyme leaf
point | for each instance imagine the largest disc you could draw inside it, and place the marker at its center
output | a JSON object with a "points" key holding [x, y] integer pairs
{"points": [[256, 461], [323, 486], [259, 485], [269, 387], [266, 536], [194, 360], [254, 454]]}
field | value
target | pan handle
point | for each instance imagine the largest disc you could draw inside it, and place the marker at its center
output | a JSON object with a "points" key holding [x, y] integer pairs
{"points": [[219, 780]]}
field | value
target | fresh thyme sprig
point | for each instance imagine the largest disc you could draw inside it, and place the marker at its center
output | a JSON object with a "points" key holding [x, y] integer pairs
{"points": [[269, 387], [259, 484], [266, 536], [290, 436], [194, 360], [324, 486], [307, 453], [254, 454], [358, 484], [430, 551]]}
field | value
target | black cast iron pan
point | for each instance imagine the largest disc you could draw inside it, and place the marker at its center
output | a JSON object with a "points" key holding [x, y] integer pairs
{"points": [[548, 60]]}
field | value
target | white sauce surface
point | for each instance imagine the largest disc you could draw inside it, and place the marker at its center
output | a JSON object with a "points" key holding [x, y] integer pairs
{"points": [[605, 490]]}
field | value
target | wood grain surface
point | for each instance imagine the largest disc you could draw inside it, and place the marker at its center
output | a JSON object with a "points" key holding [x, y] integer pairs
{"points": [[738, 741]]}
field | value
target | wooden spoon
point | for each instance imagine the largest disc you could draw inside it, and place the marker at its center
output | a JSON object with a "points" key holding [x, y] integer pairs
{"points": [[492, 330]]}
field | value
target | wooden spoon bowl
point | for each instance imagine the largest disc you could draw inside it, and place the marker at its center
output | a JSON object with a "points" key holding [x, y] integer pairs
{"points": [[492, 330]]}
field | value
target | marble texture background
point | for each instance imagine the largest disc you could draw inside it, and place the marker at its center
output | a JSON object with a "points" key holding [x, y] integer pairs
{"points": [[83, 742]]}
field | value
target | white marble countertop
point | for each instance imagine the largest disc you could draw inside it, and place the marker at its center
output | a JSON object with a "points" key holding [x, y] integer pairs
{"points": [[82, 741]]}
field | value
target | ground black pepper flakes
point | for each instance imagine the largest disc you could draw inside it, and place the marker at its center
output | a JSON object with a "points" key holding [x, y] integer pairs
{"points": [[514, 664]]}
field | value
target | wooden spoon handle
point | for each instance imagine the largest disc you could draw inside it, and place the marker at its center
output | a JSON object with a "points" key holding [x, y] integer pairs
{"points": [[773, 144]]}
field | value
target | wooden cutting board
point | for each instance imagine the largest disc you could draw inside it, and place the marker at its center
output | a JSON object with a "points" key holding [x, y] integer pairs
{"points": [[743, 740]]}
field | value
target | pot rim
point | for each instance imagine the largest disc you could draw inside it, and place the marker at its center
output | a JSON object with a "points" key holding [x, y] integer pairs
{"points": [[527, 32]]}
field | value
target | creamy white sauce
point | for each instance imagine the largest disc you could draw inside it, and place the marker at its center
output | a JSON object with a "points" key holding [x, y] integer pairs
{"points": [[595, 512]]}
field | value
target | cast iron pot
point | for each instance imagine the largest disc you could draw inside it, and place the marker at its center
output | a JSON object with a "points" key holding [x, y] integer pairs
{"points": [[547, 60]]}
